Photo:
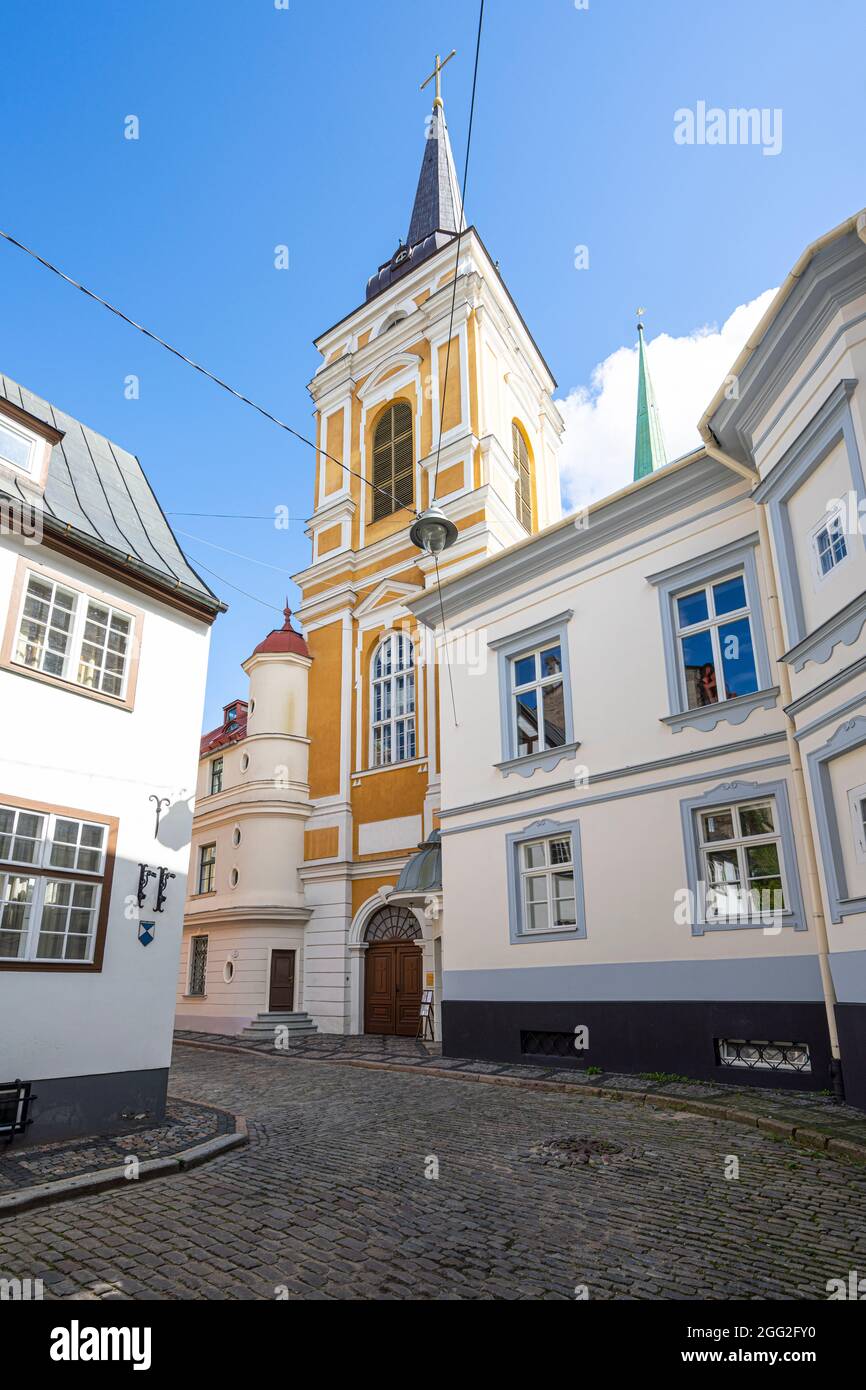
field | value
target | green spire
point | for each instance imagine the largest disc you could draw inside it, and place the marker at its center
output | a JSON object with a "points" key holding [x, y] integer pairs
{"points": [[649, 444]]}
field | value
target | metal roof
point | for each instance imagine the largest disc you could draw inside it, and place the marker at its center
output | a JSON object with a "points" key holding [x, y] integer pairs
{"points": [[423, 873], [98, 492]]}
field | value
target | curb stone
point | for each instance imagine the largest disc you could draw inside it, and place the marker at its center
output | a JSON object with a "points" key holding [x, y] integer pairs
{"points": [[88, 1184], [803, 1137]]}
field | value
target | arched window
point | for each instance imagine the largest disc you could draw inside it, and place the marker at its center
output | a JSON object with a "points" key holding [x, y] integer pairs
{"points": [[523, 484], [393, 701], [393, 461]]}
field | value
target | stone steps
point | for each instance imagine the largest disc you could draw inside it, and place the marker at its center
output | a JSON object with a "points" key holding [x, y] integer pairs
{"points": [[265, 1025]]}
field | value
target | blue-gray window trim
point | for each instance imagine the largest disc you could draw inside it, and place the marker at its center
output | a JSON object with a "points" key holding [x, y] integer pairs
{"points": [[730, 794], [832, 424], [688, 575], [543, 830], [850, 734], [553, 629]]}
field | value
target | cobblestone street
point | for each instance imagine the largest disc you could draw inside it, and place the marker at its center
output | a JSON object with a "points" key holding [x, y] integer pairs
{"points": [[331, 1200]]}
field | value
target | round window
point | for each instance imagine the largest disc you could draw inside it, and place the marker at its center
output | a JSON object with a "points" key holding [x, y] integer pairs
{"points": [[252, 706], [229, 971], [236, 835], [245, 762], [233, 878]]}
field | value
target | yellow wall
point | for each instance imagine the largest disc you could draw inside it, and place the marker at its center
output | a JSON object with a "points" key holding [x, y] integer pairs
{"points": [[452, 411], [323, 724]]}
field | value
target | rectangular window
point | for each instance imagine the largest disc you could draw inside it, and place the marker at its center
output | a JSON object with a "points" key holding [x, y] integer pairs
{"points": [[393, 701], [206, 868], [66, 634], [216, 776], [741, 861], [857, 803], [538, 700], [52, 912], [547, 874], [198, 965], [830, 545], [17, 448], [714, 642]]}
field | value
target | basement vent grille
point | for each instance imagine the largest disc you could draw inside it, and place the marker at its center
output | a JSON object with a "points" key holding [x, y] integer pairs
{"points": [[537, 1044], [764, 1056]]}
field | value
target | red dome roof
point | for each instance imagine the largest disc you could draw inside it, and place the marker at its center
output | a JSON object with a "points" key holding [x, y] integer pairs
{"points": [[284, 639]]}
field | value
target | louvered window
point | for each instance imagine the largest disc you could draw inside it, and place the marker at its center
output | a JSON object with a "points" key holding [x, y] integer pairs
{"points": [[393, 461], [523, 484]]}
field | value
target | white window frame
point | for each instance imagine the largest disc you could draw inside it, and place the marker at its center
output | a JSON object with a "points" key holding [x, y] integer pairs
{"points": [[46, 841], [72, 658], [833, 515], [712, 623], [740, 843], [41, 873], [394, 641], [546, 872], [539, 684], [857, 803], [32, 440]]}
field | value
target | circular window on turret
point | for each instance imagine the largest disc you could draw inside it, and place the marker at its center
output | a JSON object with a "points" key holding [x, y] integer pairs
{"points": [[233, 878], [236, 835], [252, 706], [228, 971], [245, 761]]}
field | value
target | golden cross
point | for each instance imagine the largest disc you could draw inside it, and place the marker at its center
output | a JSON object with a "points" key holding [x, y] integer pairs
{"points": [[437, 73]]}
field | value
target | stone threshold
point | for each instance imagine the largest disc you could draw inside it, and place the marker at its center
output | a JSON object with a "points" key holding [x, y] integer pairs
{"points": [[839, 1139]]}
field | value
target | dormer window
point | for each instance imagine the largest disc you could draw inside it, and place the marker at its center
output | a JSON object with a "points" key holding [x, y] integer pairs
{"points": [[232, 715], [17, 447]]}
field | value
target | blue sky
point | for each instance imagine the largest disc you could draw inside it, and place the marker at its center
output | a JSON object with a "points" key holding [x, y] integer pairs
{"points": [[305, 127]]}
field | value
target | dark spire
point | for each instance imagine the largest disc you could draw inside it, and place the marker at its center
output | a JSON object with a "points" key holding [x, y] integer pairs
{"points": [[438, 209]]}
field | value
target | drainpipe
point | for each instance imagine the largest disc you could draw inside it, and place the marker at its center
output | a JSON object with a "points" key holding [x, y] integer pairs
{"points": [[819, 922]]}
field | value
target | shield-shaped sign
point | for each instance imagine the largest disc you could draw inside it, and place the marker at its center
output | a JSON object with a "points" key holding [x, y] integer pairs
{"points": [[146, 932]]}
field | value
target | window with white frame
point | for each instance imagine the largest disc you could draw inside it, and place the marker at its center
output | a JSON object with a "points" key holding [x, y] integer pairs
{"points": [[393, 700], [715, 648], [857, 803], [742, 867], [65, 633], [207, 868], [17, 447], [538, 700], [829, 543], [547, 885], [52, 876]]}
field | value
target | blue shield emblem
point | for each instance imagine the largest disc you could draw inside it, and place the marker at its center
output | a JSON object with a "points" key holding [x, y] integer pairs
{"points": [[146, 932]]}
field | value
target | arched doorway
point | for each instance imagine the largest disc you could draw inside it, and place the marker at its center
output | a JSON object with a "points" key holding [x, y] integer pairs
{"points": [[392, 973]]}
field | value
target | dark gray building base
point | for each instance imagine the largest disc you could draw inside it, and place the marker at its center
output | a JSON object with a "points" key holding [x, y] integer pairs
{"points": [[69, 1106], [645, 1036], [851, 1023]]}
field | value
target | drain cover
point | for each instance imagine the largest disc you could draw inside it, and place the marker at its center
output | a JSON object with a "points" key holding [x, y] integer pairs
{"points": [[579, 1151]]}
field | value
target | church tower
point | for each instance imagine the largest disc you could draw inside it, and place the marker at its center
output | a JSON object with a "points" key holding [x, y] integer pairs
{"points": [[432, 389]]}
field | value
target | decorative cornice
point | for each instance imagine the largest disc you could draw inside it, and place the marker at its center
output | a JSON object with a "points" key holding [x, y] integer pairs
{"points": [[735, 711], [844, 627], [529, 763]]}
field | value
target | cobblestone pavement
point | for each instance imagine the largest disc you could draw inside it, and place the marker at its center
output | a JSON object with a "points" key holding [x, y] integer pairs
{"points": [[330, 1200], [186, 1124]]}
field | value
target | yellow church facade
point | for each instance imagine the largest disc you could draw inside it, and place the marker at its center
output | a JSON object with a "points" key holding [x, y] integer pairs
{"points": [[431, 391]]}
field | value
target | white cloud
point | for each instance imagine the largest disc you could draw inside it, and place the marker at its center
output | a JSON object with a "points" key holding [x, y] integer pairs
{"points": [[598, 449]]}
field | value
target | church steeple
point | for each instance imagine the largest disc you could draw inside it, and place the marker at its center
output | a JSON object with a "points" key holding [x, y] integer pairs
{"points": [[437, 213], [649, 444]]}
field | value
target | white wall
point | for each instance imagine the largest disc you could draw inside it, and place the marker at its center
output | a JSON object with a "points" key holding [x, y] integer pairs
{"points": [[65, 749]]}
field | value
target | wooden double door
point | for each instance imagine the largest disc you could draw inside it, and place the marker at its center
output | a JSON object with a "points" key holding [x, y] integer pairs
{"points": [[392, 988]]}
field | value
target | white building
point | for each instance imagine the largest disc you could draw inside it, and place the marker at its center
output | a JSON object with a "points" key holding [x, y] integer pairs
{"points": [[243, 951], [657, 830], [102, 672]]}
